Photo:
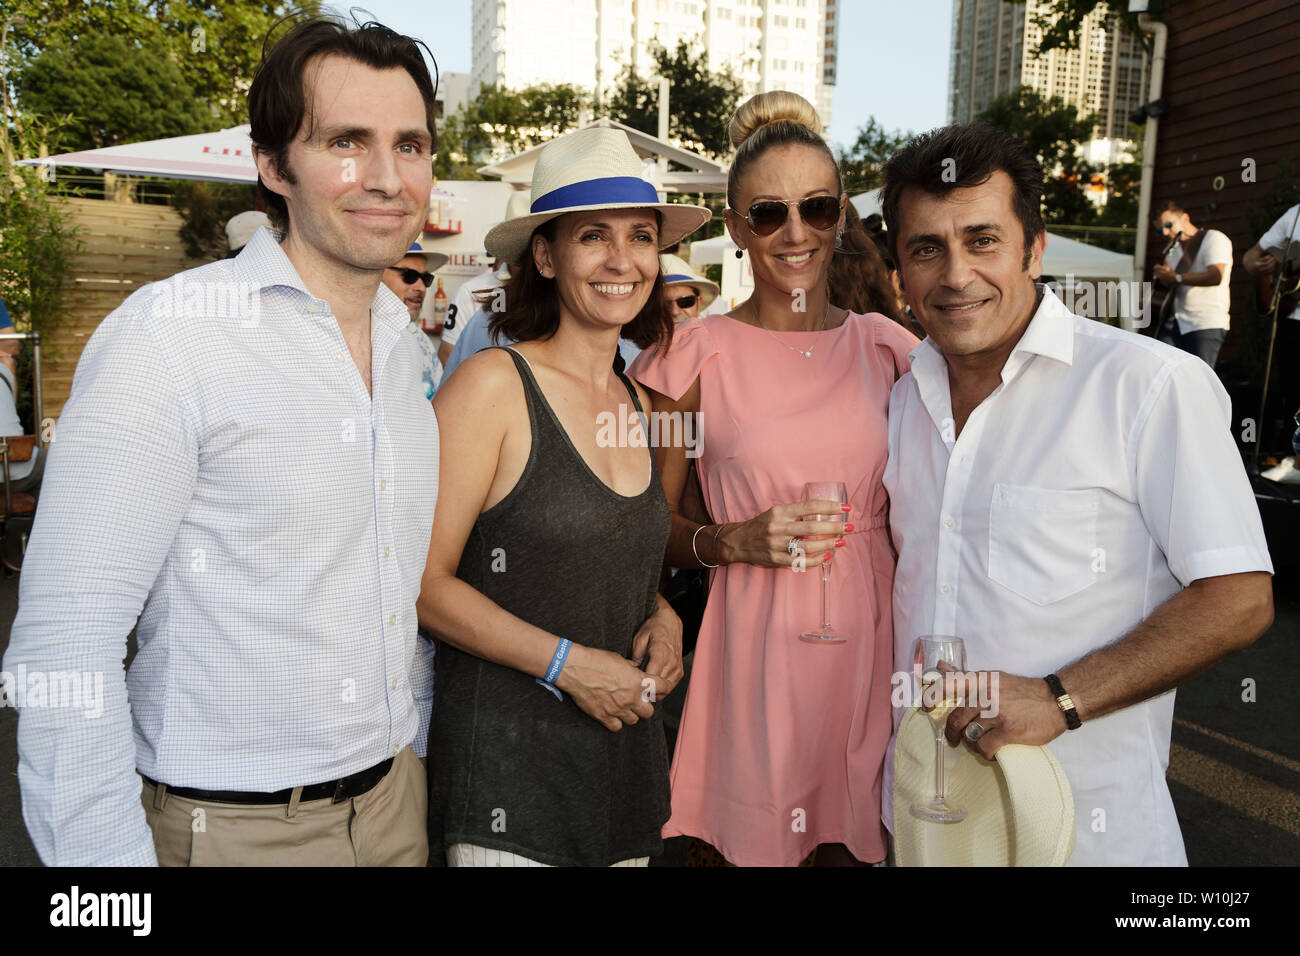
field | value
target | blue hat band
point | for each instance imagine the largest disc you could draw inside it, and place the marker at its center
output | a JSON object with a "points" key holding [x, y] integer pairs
{"points": [[682, 278], [630, 190]]}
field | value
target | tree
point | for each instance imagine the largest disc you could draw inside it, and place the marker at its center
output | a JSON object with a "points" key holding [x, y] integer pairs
{"points": [[1061, 22], [214, 45], [499, 121], [117, 89], [701, 100], [861, 163], [1054, 132]]}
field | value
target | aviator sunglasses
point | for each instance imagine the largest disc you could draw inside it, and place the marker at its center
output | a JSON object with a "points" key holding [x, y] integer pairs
{"points": [[685, 301], [410, 275], [820, 212]]}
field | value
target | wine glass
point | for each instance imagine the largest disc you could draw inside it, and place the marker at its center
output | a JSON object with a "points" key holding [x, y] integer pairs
{"points": [[833, 491], [931, 649]]}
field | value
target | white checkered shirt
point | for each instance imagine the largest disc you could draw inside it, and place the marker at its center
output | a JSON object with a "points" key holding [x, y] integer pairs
{"points": [[221, 473]]}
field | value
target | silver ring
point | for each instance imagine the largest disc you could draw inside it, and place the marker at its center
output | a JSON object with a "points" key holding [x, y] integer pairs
{"points": [[974, 731], [793, 547]]}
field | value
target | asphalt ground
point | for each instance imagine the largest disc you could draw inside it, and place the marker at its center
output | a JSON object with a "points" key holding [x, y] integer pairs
{"points": [[1234, 768]]}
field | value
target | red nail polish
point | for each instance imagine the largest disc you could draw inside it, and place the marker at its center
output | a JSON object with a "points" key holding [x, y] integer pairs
{"points": [[839, 543], [845, 508], [848, 527]]}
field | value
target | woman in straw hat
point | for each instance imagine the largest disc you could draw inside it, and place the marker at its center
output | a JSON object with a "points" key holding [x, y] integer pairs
{"points": [[546, 746], [782, 741]]}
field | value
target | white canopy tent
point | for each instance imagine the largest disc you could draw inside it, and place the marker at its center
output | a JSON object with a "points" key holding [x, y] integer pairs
{"points": [[224, 156]]}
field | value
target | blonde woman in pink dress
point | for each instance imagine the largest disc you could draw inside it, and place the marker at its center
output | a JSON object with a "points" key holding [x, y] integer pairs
{"points": [[782, 741]]}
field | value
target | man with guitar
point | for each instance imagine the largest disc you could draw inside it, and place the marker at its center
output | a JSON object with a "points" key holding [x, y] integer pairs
{"points": [[1263, 260], [1197, 270]]}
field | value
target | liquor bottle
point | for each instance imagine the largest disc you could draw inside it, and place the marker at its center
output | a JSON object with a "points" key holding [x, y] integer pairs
{"points": [[439, 309]]}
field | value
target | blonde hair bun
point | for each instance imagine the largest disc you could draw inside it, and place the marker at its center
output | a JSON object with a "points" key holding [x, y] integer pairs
{"points": [[774, 106]]}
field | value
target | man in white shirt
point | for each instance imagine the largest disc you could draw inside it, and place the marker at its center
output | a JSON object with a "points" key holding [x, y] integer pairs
{"points": [[1065, 497], [248, 466], [1198, 269], [1260, 260]]}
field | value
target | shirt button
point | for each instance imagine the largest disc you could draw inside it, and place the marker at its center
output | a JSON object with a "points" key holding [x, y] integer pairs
{"points": [[385, 552], [383, 483], [394, 683], [948, 522], [945, 589], [396, 749], [392, 620], [340, 358]]}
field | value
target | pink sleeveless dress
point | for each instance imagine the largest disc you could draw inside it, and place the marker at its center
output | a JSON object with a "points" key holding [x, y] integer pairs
{"points": [[782, 742]]}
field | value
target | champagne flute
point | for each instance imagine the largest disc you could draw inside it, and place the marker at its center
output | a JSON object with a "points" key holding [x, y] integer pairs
{"points": [[818, 491], [931, 649]]}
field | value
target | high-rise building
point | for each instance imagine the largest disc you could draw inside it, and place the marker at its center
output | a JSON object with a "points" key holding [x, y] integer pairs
{"points": [[768, 44], [994, 50]]}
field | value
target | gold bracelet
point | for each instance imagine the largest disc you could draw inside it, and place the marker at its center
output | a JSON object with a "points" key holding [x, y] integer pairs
{"points": [[696, 553], [716, 553]]}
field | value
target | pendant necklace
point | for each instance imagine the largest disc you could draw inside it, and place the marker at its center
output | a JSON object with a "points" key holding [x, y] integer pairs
{"points": [[806, 354]]}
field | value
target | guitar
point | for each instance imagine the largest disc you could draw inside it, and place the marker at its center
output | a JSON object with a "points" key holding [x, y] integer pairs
{"points": [[1162, 296], [1281, 290]]}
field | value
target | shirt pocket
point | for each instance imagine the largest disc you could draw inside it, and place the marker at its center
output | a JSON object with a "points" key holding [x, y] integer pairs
{"points": [[1042, 541]]}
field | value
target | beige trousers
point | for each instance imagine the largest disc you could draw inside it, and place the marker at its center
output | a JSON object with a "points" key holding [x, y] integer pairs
{"points": [[385, 827]]}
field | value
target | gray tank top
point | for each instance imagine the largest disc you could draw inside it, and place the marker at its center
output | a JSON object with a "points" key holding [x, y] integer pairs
{"points": [[510, 766]]}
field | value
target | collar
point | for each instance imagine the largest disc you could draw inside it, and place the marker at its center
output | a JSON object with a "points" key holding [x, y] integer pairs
{"points": [[1050, 333], [262, 264]]}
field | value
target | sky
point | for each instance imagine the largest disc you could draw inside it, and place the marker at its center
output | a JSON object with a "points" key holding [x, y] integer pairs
{"points": [[892, 58]]}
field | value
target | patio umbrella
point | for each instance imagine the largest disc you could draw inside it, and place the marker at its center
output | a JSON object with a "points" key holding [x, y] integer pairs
{"points": [[225, 156]]}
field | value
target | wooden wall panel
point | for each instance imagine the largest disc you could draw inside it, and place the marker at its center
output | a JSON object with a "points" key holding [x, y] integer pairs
{"points": [[124, 246]]}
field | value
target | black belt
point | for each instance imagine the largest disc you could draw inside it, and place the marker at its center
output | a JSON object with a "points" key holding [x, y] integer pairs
{"points": [[363, 781]]}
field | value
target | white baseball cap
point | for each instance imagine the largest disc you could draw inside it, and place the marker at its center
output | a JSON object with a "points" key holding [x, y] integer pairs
{"points": [[240, 228]]}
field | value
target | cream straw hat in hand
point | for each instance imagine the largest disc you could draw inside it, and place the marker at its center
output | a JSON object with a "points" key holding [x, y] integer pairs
{"points": [[1019, 805]]}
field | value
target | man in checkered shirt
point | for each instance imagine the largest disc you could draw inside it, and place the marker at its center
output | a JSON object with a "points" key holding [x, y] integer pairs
{"points": [[248, 466]]}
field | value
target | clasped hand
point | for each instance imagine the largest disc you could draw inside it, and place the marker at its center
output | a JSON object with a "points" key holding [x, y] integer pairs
{"points": [[613, 689]]}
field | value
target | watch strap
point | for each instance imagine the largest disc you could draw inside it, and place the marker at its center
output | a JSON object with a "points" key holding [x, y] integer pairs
{"points": [[1064, 702]]}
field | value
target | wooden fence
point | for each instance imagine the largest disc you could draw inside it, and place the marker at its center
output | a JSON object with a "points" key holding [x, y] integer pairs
{"points": [[123, 246]]}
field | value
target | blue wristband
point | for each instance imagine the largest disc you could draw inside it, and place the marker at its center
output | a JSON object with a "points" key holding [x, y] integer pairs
{"points": [[557, 665]]}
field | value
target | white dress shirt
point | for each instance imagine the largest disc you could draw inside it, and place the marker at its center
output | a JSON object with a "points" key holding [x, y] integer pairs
{"points": [[221, 472], [1097, 480]]}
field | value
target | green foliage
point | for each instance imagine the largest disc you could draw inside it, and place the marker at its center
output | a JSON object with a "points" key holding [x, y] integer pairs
{"points": [[701, 101], [861, 163], [501, 121], [117, 89], [214, 46], [1062, 21], [36, 245], [1054, 131], [205, 208]]}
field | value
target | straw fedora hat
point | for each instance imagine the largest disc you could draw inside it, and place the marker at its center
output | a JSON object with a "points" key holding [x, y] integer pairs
{"points": [[677, 272], [593, 168], [1021, 809]]}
